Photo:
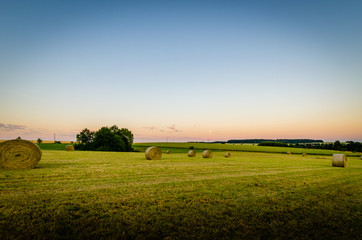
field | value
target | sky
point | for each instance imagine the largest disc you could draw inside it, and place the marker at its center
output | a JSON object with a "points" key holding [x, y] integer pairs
{"points": [[182, 70]]}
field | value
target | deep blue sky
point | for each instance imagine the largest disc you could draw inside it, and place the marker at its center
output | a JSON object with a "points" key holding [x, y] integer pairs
{"points": [[186, 70]]}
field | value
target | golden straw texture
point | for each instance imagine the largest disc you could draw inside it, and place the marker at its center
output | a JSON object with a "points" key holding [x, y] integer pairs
{"points": [[339, 160], [191, 153], [207, 154], [19, 154], [227, 155], [69, 148], [153, 153]]}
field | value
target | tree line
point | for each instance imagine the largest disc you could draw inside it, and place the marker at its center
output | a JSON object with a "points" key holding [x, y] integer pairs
{"points": [[337, 145], [290, 141]]}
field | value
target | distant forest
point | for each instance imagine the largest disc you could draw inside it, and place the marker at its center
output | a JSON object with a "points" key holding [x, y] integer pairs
{"points": [[290, 141], [299, 143], [337, 145]]}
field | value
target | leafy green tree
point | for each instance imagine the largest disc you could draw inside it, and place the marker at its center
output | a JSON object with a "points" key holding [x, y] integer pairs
{"points": [[108, 139], [126, 136], [39, 141], [85, 136], [105, 139], [337, 145]]}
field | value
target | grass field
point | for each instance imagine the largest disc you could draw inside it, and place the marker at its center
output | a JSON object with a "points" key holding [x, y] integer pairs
{"points": [[183, 147], [109, 195]]}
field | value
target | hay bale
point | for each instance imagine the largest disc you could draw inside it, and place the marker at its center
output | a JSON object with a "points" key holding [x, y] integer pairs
{"points": [[227, 155], [153, 153], [191, 153], [289, 153], [339, 160], [207, 154], [69, 148], [304, 154], [19, 154], [168, 152]]}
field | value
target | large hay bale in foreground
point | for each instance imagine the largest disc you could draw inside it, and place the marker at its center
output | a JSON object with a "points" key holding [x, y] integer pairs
{"points": [[19, 154], [339, 160], [191, 153], [153, 153], [207, 154], [227, 155], [69, 148]]}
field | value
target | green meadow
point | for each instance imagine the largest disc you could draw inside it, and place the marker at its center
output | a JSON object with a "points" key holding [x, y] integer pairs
{"points": [[252, 195], [183, 147]]}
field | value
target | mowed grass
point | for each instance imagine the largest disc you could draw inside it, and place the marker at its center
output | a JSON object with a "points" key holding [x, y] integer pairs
{"points": [[183, 147], [109, 195]]}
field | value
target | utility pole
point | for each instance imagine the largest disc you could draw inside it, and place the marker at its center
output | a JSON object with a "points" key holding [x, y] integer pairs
{"points": [[54, 137]]}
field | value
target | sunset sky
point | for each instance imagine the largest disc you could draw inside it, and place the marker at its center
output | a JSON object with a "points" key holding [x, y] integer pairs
{"points": [[182, 70]]}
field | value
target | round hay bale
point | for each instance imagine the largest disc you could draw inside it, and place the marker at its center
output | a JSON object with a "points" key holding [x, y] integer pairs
{"points": [[153, 153], [69, 148], [168, 152], [289, 153], [339, 160], [207, 154], [304, 154], [191, 153], [19, 154], [227, 155]]}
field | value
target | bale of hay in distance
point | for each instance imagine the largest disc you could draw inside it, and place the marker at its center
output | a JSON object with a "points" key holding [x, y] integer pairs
{"points": [[207, 154], [289, 153], [153, 153], [339, 160], [19, 154], [168, 152], [191, 153], [227, 155], [304, 154], [69, 148]]}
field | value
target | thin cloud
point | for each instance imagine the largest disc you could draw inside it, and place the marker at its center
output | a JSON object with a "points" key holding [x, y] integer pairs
{"points": [[151, 128], [12, 127], [173, 128]]}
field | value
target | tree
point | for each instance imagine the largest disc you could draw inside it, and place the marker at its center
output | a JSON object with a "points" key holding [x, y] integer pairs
{"points": [[85, 136], [126, 136], [107, 139], [39, 141], [337, 145]]}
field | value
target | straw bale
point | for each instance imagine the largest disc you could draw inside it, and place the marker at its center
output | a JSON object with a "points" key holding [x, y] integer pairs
{"points": [[191, 153], [304, 154], [19, 154], [69, 148], [227, 155], [168, 152], [289, 153], [339, 160], [207, 154], [153, 153]]}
